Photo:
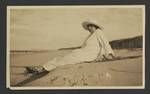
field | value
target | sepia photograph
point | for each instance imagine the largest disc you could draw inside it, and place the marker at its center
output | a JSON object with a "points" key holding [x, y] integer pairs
{"points": [[76, 47]]}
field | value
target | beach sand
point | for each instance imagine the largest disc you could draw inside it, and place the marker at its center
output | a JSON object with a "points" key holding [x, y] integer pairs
{"points": [[124, 72]]}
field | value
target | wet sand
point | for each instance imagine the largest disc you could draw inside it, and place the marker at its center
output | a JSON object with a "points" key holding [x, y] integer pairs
{"points": [[124, 72]]}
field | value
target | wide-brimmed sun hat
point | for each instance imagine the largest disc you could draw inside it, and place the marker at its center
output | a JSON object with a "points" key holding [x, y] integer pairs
{"points": [[85, 24]]}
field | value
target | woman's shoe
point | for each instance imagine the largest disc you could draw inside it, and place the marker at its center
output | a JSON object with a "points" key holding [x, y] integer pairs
{"points": [[35, 69]]}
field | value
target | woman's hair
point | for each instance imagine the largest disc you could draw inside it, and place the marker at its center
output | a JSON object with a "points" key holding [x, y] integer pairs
{"points": [[97, 27]]}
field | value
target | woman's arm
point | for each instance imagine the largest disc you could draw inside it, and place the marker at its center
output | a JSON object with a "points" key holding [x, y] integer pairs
{"points": [[70, 48], [85, 41]]}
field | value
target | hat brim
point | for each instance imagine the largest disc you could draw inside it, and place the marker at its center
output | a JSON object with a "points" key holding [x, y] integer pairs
{"points": [[87, 23]]}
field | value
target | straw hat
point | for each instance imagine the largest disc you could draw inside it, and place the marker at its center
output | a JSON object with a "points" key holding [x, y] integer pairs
{"points": [[94, 23]]}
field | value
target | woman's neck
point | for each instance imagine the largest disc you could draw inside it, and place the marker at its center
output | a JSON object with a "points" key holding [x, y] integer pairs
{"points": [[92, 31]]}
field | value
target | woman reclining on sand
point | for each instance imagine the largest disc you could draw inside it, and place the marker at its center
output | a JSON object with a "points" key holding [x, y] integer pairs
{"points": [[95, 47]]}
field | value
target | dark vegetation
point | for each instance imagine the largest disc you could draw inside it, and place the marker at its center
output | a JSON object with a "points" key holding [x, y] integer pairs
{"points": [[135, 42]]}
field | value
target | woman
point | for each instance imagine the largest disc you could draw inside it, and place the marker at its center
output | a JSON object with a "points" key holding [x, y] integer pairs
{"points": [[95, 47]]}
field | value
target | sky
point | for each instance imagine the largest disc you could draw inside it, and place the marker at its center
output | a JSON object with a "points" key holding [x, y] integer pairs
{"points": [[59, 27]]}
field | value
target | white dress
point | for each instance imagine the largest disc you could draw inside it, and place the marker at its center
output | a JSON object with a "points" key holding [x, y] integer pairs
{"points": [[96, 46]]}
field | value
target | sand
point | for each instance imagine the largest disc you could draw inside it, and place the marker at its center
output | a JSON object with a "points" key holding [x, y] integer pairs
{"points": [[124, 72]]}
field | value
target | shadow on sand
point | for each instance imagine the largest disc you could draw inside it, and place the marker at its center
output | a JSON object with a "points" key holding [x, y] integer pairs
{"points": [[31, 78], [117, 58]]}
